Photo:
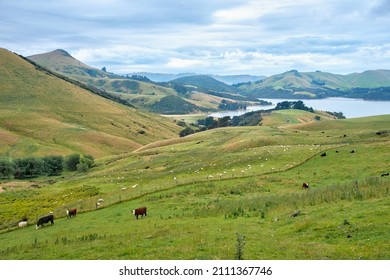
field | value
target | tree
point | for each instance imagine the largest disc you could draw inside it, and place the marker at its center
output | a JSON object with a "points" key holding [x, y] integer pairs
{"points": [[28, 167], [88, 160], [71, 162], [53, 165], [85, 163], [82, 167], [187, 131], [7, 169], [224, 121]]}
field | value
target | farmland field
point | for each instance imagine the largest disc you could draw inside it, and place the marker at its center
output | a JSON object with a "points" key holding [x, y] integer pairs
{"points": [[204, 190]]}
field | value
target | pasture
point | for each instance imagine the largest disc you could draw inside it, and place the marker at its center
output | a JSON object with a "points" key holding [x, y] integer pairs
{"points": [[204, 189]]}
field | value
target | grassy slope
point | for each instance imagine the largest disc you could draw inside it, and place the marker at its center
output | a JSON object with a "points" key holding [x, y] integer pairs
{"points": [[41, 114], [256, 174], [374, 78], [62, 62], [140, 94], [201, 82]]}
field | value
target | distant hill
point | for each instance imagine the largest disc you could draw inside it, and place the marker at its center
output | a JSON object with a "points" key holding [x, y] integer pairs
{"points": [[227, 79], [161, 77], [372, 84], [237, 79], [204, 83], [136, 90], [62, 62], [42, 114]]}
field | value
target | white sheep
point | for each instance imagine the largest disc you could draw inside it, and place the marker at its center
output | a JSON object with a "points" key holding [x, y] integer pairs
{"points": [[22, 224]]}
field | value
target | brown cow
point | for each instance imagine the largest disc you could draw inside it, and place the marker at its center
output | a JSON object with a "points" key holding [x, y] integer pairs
{"points": [[305, 186], [71, 212], [139, 211]]}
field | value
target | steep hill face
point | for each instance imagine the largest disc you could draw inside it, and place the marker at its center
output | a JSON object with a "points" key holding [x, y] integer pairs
{"points": [[42, 114], [62, 62]]}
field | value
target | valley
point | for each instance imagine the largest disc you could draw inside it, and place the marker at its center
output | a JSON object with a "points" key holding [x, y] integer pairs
{"points": [[202, 191]]}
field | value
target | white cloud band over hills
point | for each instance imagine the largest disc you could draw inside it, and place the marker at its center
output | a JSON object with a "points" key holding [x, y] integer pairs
{"points": [[261, 37]]}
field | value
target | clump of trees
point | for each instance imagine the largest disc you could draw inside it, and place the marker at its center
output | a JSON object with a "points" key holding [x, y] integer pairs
{"points": [[298, 105], [249, 119], [52, 165], [229, 105]]}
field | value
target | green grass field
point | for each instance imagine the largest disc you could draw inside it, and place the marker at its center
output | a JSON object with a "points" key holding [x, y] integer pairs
{"points": [[204, 189]]}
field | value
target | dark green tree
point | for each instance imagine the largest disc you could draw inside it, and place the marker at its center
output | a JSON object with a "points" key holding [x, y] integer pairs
{"points": [[53, 165], [71, 162], [7, 169], [88, 160], [187, 131], [224, 121], [28, 167]]}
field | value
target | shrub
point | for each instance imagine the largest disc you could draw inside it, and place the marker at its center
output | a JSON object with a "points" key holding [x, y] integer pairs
{"points": [[86, 162], [240, 243], [82, 167], [28, 167], [7, 169], [71, 162], [53, 165]]}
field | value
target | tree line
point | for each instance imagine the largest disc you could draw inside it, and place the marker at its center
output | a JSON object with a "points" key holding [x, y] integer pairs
{"points": [[52, 165]]}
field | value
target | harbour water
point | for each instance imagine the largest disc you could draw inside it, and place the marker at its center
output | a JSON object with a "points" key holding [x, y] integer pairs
{"points": [[351, 108]]}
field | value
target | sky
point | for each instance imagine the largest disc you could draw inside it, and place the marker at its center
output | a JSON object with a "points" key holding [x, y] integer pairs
{"points": [[225, 37]]}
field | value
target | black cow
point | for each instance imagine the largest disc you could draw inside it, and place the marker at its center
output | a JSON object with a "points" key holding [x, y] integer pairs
{"points": [[139, 211], [71, 212], [44, 220], [305, 186]]}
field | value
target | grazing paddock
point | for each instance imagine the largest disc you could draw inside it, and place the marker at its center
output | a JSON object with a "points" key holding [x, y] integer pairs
{"points": [[209, 188]]}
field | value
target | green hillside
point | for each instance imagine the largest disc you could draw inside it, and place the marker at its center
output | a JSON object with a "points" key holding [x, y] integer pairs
{"points": [[205, 190], [138, 91], [204, 83], [42, 114], [374, 84], [62, 62]]}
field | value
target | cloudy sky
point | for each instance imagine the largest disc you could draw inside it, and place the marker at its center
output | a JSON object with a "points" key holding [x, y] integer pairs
{"points": [[259, 37]]}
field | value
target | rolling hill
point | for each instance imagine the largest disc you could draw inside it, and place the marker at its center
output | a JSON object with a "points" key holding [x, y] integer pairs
{"points": [[372, 84], [42, 114], [204, 190], [227, 79], [136, 90], [62, 62], [204, 83]]}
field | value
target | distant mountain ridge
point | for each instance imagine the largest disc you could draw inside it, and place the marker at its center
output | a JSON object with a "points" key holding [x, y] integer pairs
{"points": [[227, 79], [148, 92], [370, 84]]}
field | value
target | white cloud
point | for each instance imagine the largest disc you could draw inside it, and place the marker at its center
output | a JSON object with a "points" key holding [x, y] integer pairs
{"points": [[178, 63], [219, 36]]}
